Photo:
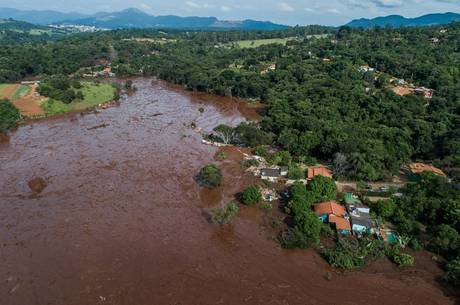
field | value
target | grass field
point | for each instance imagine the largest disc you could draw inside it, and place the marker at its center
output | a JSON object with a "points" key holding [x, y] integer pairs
{"points": [[260, 42], [20, 92], [94, 94]]}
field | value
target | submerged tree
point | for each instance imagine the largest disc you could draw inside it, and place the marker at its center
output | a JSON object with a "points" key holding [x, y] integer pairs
{"points": [[210, 176]]}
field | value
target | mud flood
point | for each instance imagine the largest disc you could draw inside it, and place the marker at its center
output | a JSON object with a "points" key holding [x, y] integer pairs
{"points": [[121, 220]]}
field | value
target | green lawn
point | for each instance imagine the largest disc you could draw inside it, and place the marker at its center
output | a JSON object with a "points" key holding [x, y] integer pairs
{"points": [[20, 92], [93, 93], [260, 42]]}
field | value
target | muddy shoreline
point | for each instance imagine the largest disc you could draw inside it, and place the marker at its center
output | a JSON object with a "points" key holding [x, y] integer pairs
{"points": [[121, 220]]}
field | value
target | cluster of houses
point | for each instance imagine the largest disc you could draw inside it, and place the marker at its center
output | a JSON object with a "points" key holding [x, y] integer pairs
{"points": [[353, 218], [105, 72], [402, 87]]}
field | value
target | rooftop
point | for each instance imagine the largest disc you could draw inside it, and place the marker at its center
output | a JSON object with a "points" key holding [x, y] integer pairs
{"points": [[418, 168], [340, 223], [319, 171], [330, 207], [270, 172]]}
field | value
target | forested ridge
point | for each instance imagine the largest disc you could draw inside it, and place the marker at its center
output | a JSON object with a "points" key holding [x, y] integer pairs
{"points": [[319, 103]]}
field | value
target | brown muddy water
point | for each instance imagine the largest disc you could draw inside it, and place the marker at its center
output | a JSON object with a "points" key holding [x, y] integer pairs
{"points": [[121, 221]]}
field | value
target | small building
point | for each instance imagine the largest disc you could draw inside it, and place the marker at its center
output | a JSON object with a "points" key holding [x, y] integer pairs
{"points": [[270, 174], [425, 92], [342, 225], [284, 170], [362, 223], [366, 68], [270, 67], [324, 209], [414, 170], [354, 204], [318, 171]]}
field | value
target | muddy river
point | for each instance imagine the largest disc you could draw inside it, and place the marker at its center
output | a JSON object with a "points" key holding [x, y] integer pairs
{"points": [[122, 221]]}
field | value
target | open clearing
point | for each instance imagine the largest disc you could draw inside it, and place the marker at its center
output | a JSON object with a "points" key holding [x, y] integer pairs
{"points": [[27, 100], [260, 42], [94, 94], [7, 90]]}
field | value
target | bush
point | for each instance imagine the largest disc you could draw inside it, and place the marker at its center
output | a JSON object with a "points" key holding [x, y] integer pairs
{"points": [[251, 195], [9, 115], [261, 151], [294, 238], [403, 259], [453, 271], [210, 176], [296, 172], [351, 254], [225, 214]]}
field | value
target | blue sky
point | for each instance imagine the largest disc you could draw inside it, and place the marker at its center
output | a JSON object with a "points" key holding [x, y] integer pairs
{"points": [[329, 12]]}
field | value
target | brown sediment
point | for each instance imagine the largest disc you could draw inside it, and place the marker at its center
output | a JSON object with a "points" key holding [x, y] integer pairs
{"points": [[122, 220], [30, 104]]}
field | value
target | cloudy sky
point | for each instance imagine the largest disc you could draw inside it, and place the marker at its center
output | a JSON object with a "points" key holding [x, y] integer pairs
{"points": [[329, 12]]}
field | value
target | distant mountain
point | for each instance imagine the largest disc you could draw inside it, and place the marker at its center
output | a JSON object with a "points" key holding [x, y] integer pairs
{"points": [[134, 18], [398, 21], [38, 17]]}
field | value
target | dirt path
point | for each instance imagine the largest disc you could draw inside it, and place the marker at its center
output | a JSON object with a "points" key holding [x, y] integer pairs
{"points": [[29, 105]]}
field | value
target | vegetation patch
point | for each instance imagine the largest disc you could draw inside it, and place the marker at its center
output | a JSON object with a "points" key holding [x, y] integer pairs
{"points": [[225, 214], [210, 176], [21, 91], [9, 115]]}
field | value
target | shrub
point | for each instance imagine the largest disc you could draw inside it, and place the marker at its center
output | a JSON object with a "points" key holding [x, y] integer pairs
{"points": [[453, 271], [251, 195], [9, 115], [261, 151], [265, 206], [225, 214], [403, 259], [351, 254], [294, 238], [210, 176], [296, 172]]}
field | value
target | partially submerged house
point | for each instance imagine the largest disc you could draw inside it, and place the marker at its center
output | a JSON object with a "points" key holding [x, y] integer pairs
{"points": [[314, 171]]}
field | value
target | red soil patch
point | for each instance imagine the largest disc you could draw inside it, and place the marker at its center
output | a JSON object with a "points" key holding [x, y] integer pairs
{"points": [[7, 91], [29, 105], [402, 90]]}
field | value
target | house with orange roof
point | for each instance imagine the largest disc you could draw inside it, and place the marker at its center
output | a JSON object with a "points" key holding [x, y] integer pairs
{"points": [[342, 225], [314, 171], [324, 209], [414, 170]]}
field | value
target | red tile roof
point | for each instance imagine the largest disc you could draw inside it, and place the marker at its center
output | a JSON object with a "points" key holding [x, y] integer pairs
{"points": [[418, 168], [329, 207], [319, 171], [340, 223]]}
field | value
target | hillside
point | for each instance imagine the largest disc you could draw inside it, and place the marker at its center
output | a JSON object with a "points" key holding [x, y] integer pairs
{"points": [[398, 21], [13, 31], [37, 16]]}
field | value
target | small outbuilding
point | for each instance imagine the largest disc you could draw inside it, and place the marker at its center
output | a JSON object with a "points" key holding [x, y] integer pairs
{"points": [[314, 171]]}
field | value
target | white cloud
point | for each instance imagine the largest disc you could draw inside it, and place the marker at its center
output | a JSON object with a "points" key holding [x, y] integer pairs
{"points": [[225, 8], [286, 7], [192, 4]]}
